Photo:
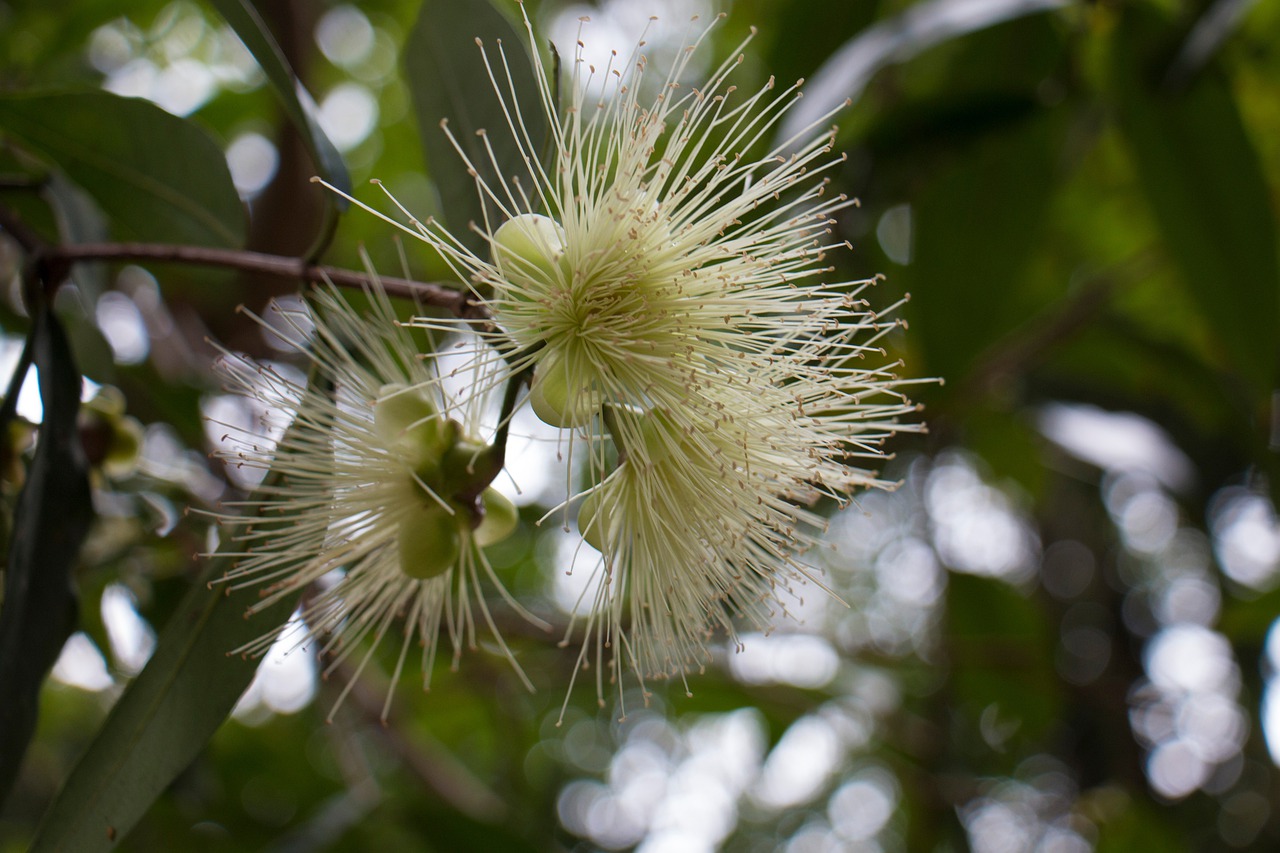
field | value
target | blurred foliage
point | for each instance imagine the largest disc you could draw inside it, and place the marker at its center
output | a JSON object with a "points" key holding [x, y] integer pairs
{"points": [[1059, 632]]}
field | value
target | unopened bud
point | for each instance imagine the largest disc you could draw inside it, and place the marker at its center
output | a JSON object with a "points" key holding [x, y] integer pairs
{"points": [[429, 542], [500, 518], [528, 246], [594, 520], [562, 399]]}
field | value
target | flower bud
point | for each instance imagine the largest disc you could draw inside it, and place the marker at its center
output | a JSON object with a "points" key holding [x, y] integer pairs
{"points": [[127, 435], [429, 542], [528, 246], [648, 437], [594, 520], [111, 439], [404, 418], [500, 518], [561, 399]]}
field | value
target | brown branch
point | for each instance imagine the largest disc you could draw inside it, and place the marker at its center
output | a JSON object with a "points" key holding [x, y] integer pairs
{"points": [[1014, 355], [439, 295], [55, 260]]}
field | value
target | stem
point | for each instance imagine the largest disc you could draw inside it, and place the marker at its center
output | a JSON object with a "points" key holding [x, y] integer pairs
{"points": [[611, 424], [495, 458], [439, 295], [55, 260], [509, 398]]}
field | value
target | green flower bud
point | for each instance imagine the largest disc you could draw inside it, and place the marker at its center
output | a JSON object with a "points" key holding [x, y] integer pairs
{"points": [[111, 439], [462, 463], [107, 401], [528, 246], [500, 518], [594, 520], [429, 542], [561, 399], [648, 437], [404, 417]]}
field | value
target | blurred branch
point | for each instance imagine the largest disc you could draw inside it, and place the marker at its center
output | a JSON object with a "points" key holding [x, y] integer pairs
{"points": [[431, 761], [1017, 353]]}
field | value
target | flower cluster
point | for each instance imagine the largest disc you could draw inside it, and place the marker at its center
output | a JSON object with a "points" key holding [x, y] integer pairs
{"points": [[659, 284], [376, 493]]}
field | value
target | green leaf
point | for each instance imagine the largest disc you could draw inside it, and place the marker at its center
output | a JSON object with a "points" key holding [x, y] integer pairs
{"points": [[80, 220], [159, 178], [1207, 191], [49, 524], [448, 79], [845, 75], [165, 717], [978, 223], [296, 100]]}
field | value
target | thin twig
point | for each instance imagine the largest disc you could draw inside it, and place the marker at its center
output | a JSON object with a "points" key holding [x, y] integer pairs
{"points": [[1014, 355], [439, 295], [59, 257]]}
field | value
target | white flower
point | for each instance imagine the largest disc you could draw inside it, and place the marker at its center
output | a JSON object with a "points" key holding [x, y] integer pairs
{"points": [[662, 280], [377, 493]]}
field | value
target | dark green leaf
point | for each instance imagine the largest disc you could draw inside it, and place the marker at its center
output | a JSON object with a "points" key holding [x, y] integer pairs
{"points": [[922, 26], [50, 522], [166, 716], [1205, 184], [159, 178], [447, 76], [976, 228], [163, 720], [80, 220], [1134, 824], [297, 102]]}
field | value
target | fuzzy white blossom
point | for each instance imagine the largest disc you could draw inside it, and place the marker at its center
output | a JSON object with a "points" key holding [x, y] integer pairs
{"points": [[376, 503], [661, 282]]}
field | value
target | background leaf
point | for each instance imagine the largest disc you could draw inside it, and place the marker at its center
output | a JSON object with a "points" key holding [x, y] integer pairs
{"points": [[1001, 652], [1206, 188], [966, 282], [49, 525], [158, 177], [448, 79], [163, 720], [923, 25], [167, 715], [297, 101]]}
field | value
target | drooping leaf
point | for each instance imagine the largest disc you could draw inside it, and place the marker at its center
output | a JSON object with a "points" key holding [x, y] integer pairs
{"points": [[165, 717], [1207, 191], [447, 76], [156, 176], [920, 27], [50, 522], [297, 101]]}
